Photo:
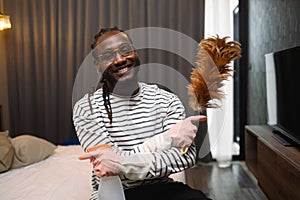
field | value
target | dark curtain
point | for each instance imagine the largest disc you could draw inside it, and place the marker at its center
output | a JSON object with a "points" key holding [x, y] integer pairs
{"points": [[50, 39]]}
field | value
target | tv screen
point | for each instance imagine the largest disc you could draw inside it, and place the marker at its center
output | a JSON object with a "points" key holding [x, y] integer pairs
{"points": [[283, 84]]}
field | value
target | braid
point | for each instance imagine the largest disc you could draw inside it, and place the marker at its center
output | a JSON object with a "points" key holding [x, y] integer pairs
{"points": [[103, 81], [105, 78], [106, 100]]}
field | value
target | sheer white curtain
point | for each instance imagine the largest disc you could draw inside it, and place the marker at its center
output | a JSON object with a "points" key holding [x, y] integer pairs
{"points": [[218, 21]]}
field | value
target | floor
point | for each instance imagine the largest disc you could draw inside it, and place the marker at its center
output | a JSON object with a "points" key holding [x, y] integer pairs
{"points": [[232, 183]]}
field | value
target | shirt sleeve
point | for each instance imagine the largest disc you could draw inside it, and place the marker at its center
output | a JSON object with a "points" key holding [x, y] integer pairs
{"points": [[89, 126], [164, 162]]}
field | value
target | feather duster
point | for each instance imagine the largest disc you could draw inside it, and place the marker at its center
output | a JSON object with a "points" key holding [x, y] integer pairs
{"points": [[207, 79]]}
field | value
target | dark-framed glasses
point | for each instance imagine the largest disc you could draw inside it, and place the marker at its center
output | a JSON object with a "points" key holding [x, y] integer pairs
{"points": [[108, 55]]}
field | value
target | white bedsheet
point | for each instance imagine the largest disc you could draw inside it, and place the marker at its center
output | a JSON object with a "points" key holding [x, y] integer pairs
{"points": [[59, 177]]}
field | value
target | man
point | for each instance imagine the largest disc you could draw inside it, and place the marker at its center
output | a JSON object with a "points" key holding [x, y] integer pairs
{"points": [[144, 125]]}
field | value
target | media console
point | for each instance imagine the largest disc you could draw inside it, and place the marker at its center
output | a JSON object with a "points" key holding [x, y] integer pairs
{"points": [[275, 166]]}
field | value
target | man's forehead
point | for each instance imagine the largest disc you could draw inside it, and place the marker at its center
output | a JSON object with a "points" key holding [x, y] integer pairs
{"points": [[112, 40]]}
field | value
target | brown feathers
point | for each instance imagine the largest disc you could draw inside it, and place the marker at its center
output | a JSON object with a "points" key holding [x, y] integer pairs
{"points": [[213, 58]]}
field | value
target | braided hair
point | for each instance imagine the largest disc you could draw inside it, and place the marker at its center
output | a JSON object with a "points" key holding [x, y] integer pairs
{"points": [[102, 32], [103, 82]]}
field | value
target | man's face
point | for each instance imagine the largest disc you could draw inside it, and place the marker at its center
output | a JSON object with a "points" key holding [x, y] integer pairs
{"points": [[116, 57]]}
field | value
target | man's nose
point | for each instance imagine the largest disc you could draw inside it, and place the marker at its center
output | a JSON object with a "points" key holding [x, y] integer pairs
{"points": [[119, 57]]}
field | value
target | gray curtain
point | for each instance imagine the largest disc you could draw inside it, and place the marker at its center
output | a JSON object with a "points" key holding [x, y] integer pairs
{"points": [[50, 39]]}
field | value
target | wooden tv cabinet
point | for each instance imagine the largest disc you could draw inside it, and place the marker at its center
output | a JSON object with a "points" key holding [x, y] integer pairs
{"points": [[275, 166]]}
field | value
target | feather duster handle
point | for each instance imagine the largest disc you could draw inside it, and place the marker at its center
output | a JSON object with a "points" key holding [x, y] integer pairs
{"points": [[207, 79]]}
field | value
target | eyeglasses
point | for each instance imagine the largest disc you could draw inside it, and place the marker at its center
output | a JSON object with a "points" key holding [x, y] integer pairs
{"points": [[108, 55]]}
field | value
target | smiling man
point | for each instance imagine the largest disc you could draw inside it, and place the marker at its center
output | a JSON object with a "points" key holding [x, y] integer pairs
{"points": [[145, 126], [117, 60]]}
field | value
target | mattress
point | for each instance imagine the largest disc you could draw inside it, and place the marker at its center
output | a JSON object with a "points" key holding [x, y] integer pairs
{"points": [[60, 176]]}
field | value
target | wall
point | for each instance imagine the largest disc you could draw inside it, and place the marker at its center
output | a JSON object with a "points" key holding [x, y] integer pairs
{"points": [[273, 25]]}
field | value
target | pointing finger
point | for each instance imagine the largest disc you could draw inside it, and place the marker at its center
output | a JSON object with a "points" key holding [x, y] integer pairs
{"points": [[85, 156], [197, 118]]}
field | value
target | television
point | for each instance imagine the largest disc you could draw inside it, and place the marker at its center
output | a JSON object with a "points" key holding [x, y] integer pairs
{"points": [[283, 103]]}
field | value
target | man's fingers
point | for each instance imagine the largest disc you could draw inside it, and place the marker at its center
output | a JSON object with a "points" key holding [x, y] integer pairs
{"points": [[85, 156], [197, 118]]}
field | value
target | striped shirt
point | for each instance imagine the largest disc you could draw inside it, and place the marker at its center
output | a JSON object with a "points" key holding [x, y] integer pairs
{"points": [[147, 114]]}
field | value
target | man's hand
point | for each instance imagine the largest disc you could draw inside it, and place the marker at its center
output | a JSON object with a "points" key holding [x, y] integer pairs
{"points": [[105, 162], [183, 133]]}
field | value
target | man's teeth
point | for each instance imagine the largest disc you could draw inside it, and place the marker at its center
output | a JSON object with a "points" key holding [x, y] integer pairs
{"points": [[123, 70]]}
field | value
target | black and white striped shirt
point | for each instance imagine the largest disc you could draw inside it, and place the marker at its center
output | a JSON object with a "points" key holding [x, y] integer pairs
{"points": [[149, 113]]}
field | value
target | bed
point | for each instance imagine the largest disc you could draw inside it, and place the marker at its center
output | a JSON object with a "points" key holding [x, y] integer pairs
{"points": [[60, 176], [42, 170]]}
